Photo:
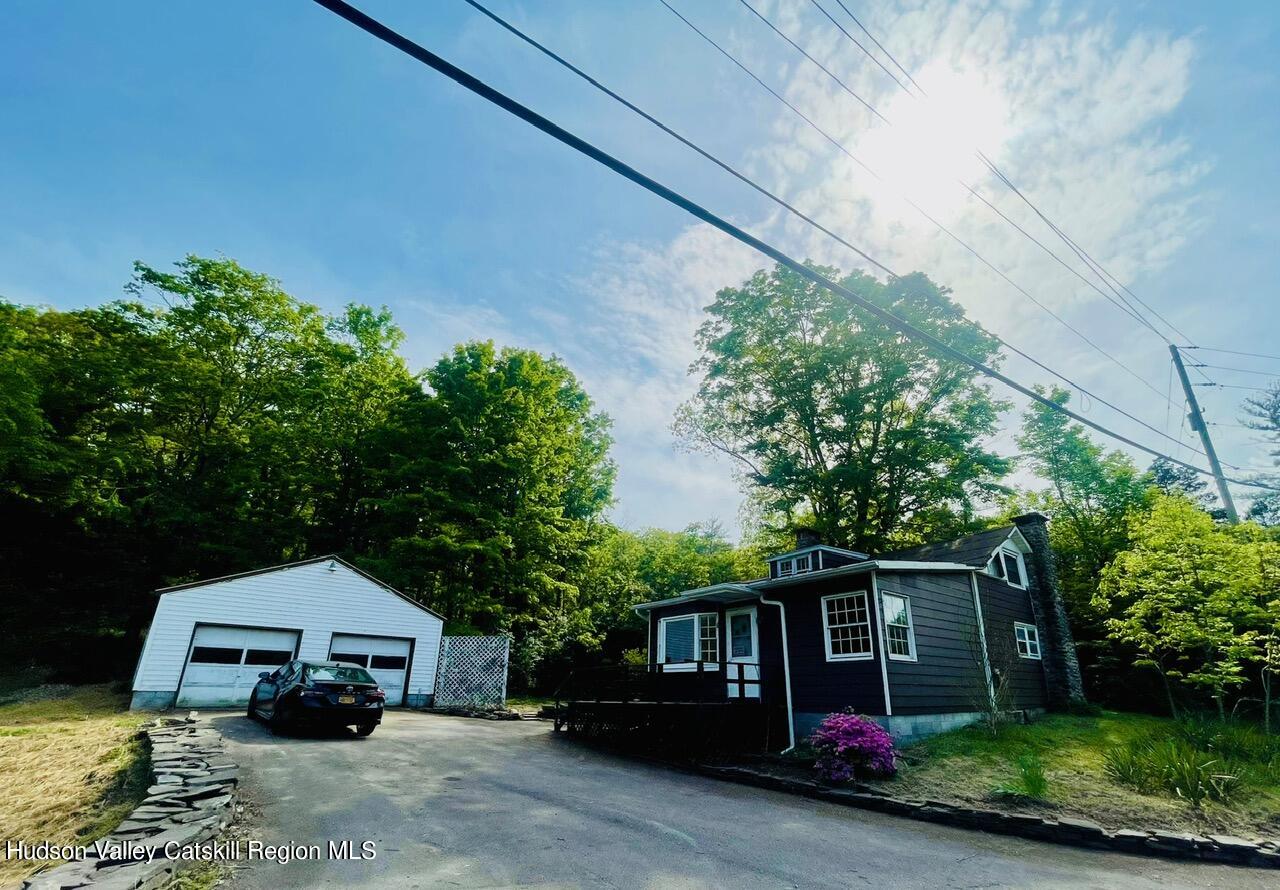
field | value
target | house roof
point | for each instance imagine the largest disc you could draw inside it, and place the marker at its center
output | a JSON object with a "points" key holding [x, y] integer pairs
{"points": [[971, 550], [751, 590], [293, 565]]}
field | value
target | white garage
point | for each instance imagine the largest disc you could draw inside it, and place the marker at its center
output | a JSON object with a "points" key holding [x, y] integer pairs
{"points": [[209, 640]]}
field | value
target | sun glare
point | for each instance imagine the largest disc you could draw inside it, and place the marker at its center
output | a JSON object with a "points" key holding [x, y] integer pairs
{"points": [[932, 144]]}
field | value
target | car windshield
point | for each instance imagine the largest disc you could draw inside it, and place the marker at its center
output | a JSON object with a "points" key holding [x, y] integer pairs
{"points": [[341, 674]]}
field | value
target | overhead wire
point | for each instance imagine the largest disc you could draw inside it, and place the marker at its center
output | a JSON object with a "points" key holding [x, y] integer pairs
{"points": [[907, 200], [551, 54], [501, 100], [1110, 281]]}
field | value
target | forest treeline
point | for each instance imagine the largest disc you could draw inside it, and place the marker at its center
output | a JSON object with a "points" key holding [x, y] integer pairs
{"points": [[209, 422]]}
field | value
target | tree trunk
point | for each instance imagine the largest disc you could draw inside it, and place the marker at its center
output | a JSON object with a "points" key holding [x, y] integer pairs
{"points": [[1168, 693]]}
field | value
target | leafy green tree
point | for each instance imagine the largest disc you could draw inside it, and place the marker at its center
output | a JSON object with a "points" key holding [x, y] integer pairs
{"points": [[1188, 596], [829, 413], [493, 480]]}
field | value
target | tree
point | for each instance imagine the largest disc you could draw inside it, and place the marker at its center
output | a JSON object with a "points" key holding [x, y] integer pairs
{"points": [[1187, 594], [206, 425], [829, 413], [492, 482], [1173, 479]]}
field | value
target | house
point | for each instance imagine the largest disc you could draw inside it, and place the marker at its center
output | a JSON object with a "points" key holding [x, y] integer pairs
{"points": [[916, 638], [209, 640]]}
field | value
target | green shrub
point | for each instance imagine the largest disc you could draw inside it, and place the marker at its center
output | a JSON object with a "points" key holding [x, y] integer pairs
{"points": [[1128, 765], [1031, 781], [1175, 767], [1229, 739]]}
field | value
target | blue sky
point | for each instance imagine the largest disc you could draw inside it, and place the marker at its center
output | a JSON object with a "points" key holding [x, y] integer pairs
{"points": [[278, 135]]}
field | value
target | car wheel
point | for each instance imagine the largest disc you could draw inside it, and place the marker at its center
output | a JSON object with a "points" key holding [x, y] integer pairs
{"points": [[365, 728], [252, 711]]}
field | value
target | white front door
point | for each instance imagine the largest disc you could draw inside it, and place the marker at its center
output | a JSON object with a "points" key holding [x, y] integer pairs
{"points": [[742, 645]]}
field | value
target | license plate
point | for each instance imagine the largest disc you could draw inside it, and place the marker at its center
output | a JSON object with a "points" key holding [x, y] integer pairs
{"points": [[346, 699]]}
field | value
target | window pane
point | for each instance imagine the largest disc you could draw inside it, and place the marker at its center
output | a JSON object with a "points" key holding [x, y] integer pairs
{"points": [[388, 662], [709, 635], [678, 640], [848, 625], [271, 657], [353, 657], [803, 563], [895, 610], [899, 644], [740, 636], [216, 655], [1012, 570]]}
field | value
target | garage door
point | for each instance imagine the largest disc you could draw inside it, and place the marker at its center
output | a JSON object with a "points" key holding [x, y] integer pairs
{"points": [[224, 663], [386, 658]]}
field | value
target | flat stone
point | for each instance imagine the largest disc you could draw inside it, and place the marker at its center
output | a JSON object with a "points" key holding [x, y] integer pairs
{"points": [[213, 803], [1131, 837], [181, 835], [1168, 840], [157, 790], [1265, 859], [186, 771], [1232, 842], [215, 778]]}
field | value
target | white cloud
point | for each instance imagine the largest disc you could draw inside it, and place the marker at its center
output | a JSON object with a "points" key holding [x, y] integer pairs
{"points": [[1071, 108]]}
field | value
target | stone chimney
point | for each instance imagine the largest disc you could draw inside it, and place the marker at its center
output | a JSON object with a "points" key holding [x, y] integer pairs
{"points": [[1061, 667], [807, 537]]}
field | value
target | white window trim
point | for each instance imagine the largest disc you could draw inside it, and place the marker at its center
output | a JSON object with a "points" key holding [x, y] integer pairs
{"points": [[677, 666], [1033, 633], [728, 634], [998, 556], [826, 628], [911, 629]]}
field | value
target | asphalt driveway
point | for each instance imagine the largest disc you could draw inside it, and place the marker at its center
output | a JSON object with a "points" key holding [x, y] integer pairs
{"points": [[452, 802]]}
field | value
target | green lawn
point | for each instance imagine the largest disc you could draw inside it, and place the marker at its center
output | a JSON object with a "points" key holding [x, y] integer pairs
{"points": [[71, 766], [967, 765]]}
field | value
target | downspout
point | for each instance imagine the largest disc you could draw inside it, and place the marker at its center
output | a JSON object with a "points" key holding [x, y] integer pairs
{"points": [[786, 672], [982, 637], [884, 644]]}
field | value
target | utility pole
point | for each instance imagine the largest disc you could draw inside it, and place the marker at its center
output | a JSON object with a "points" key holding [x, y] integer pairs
{"points": [[1197, 423]]}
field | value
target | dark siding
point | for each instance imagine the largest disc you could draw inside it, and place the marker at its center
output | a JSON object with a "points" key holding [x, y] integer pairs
{"points": [[1002, 605], [768, 633], [947, 676], [819, 686]]}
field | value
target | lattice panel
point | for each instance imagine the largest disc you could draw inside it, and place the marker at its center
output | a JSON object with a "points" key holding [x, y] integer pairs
{"points": [[473, 672]]}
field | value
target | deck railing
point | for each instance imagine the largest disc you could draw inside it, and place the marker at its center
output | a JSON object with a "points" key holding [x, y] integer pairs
{"points": [[698, 682]]}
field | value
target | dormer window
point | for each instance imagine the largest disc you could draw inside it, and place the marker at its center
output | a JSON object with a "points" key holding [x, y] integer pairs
{"points": [[796, 566], [1007, 563]]}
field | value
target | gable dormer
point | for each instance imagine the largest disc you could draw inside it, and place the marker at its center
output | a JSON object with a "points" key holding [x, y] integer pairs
{"points": [[810, 556]]}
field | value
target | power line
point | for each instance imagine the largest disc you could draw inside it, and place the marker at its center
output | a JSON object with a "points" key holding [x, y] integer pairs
{"points": [[469, 82], [968, 247], [844, 86], [1082, 254], [1233, 386], [1234, 352], [675, 135], [1238, 370], [831, 19], [895, 62], [531, 41]]}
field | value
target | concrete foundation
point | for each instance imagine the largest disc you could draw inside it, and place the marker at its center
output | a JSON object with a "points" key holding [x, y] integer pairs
{"points": [[145, 700], [905, 728]]}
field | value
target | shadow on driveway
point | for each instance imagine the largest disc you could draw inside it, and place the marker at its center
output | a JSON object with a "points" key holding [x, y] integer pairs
{"points": [[449, 801]]}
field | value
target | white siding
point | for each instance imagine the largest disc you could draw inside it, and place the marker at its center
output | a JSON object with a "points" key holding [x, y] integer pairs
{"points": [[310, 598]]}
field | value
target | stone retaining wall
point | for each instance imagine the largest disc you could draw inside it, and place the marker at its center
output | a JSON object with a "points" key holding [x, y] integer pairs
{"points": [[1062, 830], [190, 802]]}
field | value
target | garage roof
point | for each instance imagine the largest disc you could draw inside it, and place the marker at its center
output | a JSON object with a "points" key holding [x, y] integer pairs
{"points": [[302, 562]]}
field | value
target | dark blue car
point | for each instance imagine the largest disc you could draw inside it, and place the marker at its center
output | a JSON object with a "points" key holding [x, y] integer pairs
{"points": [[320, 693]]}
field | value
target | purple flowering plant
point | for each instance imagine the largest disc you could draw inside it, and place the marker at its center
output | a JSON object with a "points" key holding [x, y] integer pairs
{"points": [[849, 744]]}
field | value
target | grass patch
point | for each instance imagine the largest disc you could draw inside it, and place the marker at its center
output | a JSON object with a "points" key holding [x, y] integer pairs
{"points": [[1073, 764], [71, 767]]}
